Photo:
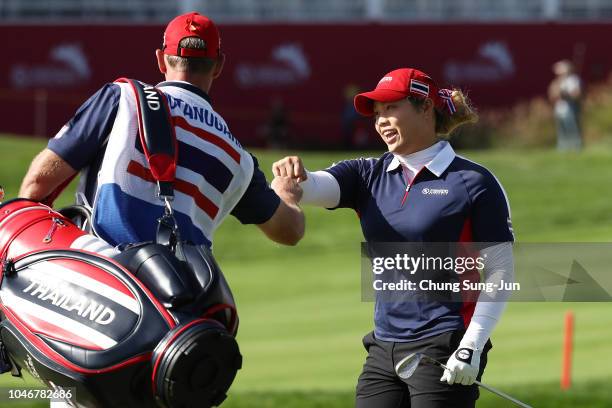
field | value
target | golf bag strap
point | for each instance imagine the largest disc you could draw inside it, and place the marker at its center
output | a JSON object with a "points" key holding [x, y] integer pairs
{"points": [[157, 135]]}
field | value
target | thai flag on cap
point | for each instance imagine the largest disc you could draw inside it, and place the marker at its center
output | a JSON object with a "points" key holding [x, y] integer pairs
{"points": [[419, 87]]}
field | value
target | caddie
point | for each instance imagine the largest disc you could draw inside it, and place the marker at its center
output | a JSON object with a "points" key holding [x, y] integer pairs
{"points": [[215, 175]]}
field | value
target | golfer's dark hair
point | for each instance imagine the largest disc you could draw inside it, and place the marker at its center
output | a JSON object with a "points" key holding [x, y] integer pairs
{"points": [[447, 122], [191, 64]]}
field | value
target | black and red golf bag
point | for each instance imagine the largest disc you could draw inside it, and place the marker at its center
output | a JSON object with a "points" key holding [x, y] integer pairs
{"points": [[149, 326], [154, 325]]}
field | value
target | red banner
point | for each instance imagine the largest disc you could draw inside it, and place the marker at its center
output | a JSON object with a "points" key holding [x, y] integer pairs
{"points": [[291, 78]]}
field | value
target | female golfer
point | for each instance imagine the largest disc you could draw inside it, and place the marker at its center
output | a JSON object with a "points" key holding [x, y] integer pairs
{"points": [[418, 191]]}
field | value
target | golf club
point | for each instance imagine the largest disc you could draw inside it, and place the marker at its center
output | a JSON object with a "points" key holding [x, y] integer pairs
{"points": [[407, 366]]}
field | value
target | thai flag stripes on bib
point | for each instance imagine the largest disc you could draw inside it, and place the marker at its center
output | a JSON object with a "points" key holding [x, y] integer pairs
{"points": [[212, 174]]}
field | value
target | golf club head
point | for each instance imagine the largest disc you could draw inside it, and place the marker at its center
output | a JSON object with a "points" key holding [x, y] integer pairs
{"points": [[407, 366]]}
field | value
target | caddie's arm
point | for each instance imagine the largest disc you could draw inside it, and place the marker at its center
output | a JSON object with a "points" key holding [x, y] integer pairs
{"points": [[74, 147], [278, 216], [287, 224], [46, 174]]}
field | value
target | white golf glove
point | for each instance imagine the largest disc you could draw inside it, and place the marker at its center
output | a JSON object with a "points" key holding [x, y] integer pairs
{"points": [[462, 367]]}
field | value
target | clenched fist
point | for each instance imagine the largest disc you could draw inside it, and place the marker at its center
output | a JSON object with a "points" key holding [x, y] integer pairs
{"points": [[290, 166]]}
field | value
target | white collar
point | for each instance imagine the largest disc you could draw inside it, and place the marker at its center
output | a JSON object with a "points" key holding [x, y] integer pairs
{"points": [[439, 163]]}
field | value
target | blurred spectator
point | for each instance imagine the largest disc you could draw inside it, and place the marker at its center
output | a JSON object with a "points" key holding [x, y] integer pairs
{"points": [[565, 93], [349, 116], [276, 128], [354, 127]]}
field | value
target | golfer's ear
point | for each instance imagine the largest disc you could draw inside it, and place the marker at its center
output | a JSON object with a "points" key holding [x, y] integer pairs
{"points": [[161, 62], [219, 66]]}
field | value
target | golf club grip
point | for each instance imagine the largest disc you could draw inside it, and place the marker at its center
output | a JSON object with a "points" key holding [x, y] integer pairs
{"points": [[502, 394], [492, 389]]}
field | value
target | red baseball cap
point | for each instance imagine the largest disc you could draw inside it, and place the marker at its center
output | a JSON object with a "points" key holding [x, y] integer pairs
{"points": [[397, 85], [192, 25]]}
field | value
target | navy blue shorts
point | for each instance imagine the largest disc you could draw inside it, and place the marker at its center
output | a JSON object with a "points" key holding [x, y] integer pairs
{"points": [[378, 385]]}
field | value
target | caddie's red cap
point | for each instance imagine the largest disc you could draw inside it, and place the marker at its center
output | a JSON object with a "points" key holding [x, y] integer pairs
{"points": [[192, 25], [397, 85]]}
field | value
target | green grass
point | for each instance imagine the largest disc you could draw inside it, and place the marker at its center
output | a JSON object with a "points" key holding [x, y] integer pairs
{"points": [[592, 395], [302, 318]]}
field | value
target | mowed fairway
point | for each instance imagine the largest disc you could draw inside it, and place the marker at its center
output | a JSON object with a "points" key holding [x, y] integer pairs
{"points": [[302, 318]]}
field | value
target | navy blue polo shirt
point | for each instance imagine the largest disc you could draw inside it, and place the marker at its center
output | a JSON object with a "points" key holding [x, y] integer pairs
{"points": [[451, 199], [82, 143]]}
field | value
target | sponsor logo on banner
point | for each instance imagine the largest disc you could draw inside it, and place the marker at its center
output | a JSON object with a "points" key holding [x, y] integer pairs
{"points": [[287, 65], [493, 62], [67, 65]]}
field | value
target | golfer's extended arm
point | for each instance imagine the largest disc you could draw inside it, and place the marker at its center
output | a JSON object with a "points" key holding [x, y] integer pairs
{"points": [[286, 225], [46, 173], [499, 266], [320, 189]]}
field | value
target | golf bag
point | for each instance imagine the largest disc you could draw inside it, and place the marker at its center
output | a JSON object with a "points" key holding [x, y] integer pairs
{"points": [[154, 325], [148, 326]]}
